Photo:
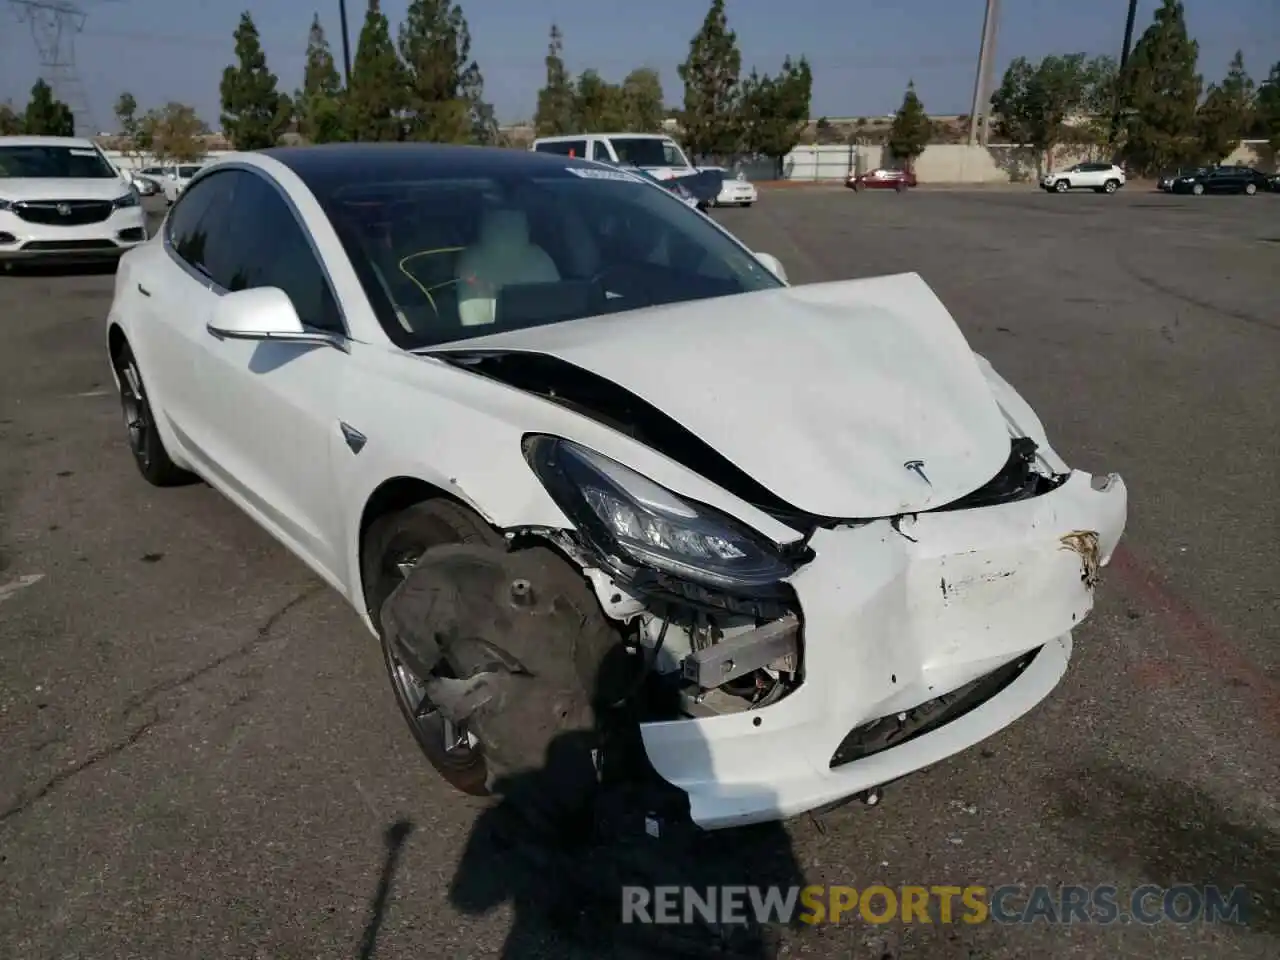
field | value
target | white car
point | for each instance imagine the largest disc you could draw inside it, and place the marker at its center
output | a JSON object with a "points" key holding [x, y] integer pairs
{"points": [[177, 181], [1099, 177], [583, 463], [736, 191], [62, 199]]}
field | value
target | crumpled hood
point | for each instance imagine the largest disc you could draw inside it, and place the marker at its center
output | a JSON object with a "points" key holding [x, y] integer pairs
{"points": [[62, 188], [826, 393]]}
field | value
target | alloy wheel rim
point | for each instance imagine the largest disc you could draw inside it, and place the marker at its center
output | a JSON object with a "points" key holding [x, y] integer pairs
{"points": [[136, 420], [459, 744]]}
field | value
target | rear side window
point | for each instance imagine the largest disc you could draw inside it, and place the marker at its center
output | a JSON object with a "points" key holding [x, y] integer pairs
{"points": [[260, 243], [566, 148], [188, 225]]}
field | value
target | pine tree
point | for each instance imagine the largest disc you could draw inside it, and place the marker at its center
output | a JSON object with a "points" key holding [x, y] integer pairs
{"points": [[254, 113], [710, 75], [911, 129], [1161, 89], [1266, 110], [445, 93], [597, 105], [47, 116], [376, 99], [774, 111], [10, 122], [554, 115], [319, 102], [1226, 114]]}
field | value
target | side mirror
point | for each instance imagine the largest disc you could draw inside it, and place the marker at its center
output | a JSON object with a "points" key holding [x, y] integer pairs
{"points": [[264, 313], [774, 265]]}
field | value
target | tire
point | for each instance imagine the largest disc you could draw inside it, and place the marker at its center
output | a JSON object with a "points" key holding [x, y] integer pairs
{"points": [[1111, 186], [145, 442], [453, 616], [1062, 186], [900, 188], [858, 187], [744, 205], [1250, 189], [1198, 189]]}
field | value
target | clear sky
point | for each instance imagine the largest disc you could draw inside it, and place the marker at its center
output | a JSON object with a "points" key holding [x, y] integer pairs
{"points": [[863, 52]]}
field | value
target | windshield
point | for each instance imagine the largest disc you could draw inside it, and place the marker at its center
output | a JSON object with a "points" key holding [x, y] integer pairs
{"points": [[447, 260], [60, 163], [186, 173], [648, 152]]}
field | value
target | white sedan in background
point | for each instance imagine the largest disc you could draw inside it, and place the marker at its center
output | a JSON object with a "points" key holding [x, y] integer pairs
{"points": [[470, 389], [62, 199], [736, 191]]}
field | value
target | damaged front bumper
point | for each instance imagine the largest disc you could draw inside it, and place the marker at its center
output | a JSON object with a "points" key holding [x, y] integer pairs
{"points": [[944, 627]]}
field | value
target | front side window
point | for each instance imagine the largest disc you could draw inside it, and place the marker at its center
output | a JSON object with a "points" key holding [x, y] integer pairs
{"points": [[566, 148], [194, 216], [444, 260], [55, 163], [258, 242], [648, 152]]}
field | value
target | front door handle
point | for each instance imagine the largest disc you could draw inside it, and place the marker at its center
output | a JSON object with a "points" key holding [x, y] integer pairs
{"points": [[143, 290]]}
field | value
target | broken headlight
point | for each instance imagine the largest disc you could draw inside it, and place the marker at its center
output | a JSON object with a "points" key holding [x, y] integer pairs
{"points": [[632, 519]]}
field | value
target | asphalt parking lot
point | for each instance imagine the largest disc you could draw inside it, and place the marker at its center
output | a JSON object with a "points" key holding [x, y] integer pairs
{"points": [[199, 755]]}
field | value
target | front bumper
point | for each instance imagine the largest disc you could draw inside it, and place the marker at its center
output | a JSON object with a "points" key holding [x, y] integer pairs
{"points": [[105, 240], [891, 623]]}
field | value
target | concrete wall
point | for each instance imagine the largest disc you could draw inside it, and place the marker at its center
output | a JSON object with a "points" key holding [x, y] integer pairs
{"points": [[960, 163]]}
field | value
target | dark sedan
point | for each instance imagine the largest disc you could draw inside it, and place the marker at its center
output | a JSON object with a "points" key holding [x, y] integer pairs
{"points": [[1222, 180], [881, 179]]}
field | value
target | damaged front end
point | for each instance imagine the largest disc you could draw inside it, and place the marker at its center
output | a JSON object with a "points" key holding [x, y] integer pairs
{"points": [[703, 598]]}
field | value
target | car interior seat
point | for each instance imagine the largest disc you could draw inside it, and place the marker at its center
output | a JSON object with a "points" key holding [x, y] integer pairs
{"points": [[503, 254]]}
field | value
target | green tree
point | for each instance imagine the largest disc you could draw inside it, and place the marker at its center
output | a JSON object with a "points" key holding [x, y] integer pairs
{"points": [[710, 119], [444, 82], [1161, 90], [1034, 103], [47, 116], [597, 104], [554, 115], [1101, 75], [773, 112], [376, 99], [319, 102], [1266, 109], [10, 122], [911, 129], [254, 113], [642, 108], [1226, 114], [174, 132]]}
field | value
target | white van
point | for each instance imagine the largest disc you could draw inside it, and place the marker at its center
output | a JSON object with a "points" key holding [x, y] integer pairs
{"points": [[655, 153]]}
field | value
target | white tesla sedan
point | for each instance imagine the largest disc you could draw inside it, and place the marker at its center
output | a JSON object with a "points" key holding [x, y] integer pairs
{"points": [[61, 199], [574, 453]]}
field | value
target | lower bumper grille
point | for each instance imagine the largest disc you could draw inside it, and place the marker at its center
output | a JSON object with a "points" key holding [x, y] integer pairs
{"points": [[63, 213], [888, 732], [69, 246]]}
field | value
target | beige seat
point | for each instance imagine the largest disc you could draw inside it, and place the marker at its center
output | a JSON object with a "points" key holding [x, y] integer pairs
{"points": [[503, 255]]}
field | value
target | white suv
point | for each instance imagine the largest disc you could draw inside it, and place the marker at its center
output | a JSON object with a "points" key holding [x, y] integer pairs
{"points": [[1098, 177], [62, 199]]}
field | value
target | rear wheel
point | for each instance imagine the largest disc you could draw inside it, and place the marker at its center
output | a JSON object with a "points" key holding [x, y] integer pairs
{"points": [[1198, 189], [1111, 186], [1251, 189], [145, 442]]}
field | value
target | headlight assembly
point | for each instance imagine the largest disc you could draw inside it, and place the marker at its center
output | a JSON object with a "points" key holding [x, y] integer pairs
{"points": [[631, 519], [130, 199]]}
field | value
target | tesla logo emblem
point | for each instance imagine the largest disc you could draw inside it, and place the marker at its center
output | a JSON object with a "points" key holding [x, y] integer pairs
{"points": [[917, 467], [64, 209]]}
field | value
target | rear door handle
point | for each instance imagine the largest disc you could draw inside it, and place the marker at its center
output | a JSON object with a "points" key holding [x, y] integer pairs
{"points": [[143, 290]]}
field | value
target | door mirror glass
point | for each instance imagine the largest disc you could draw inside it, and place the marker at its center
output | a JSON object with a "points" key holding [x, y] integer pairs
{"points": [[774, 265], [260, 313]]}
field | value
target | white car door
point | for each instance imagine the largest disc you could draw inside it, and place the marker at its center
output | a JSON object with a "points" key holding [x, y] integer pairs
{"points": [[172, 299], [271, 408]]}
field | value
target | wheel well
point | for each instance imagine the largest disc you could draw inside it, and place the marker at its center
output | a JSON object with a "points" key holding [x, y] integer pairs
{"points": [[392, 496], [115, 340]]}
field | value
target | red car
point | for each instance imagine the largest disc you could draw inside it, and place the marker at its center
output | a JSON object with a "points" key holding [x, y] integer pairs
{"points": [[881, 179]]}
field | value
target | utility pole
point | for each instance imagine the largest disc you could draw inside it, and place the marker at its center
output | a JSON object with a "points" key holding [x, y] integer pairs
{"points": [[986, 67], [346, 41], [54, 25], [1120, 76]]}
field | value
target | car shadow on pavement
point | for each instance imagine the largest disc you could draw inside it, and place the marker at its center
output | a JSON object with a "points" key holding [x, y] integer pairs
{"points": [[1172, 832], [565, 865]]}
